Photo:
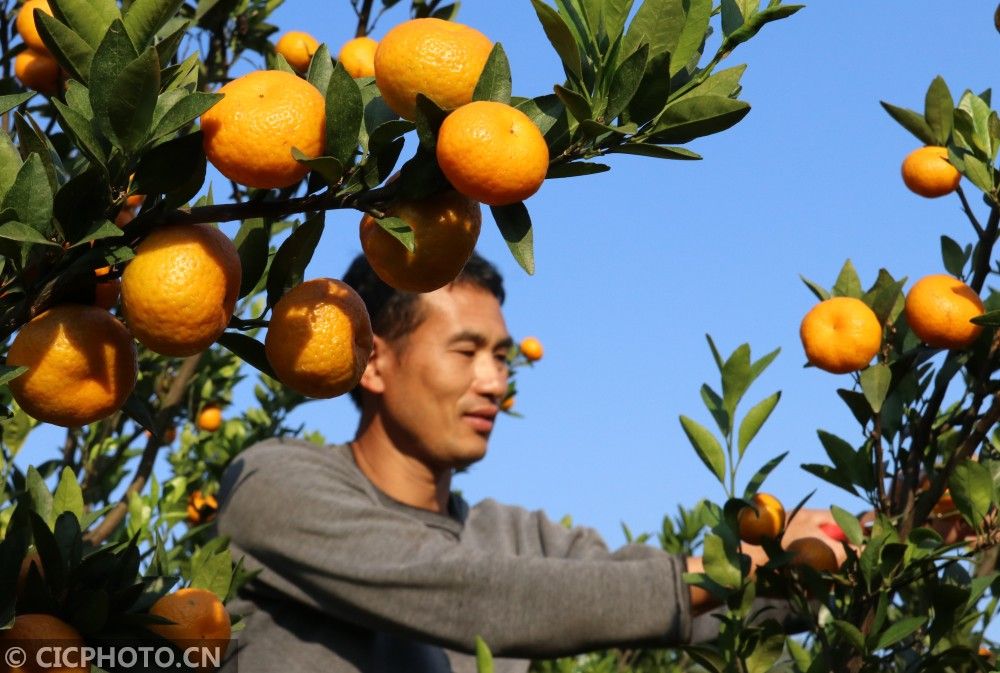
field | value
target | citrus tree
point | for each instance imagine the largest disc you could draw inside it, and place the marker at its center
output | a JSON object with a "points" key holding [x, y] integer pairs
{"points": [[128, 317]]}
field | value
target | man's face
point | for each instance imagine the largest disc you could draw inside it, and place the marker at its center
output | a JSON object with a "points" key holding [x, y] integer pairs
{"points": [[444, 381]]}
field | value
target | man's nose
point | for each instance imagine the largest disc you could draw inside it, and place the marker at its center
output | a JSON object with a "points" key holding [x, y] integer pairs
{"points": [[491, 377]]}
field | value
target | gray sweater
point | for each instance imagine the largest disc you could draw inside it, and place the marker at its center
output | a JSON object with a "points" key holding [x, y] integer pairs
{"points": [[351, 580]]}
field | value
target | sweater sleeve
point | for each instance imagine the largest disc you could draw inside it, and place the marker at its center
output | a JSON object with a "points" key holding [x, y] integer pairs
{"points": [[320, 540]]}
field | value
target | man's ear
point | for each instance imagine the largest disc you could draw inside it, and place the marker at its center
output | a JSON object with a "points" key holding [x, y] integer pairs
{"points": [[373, 378]]}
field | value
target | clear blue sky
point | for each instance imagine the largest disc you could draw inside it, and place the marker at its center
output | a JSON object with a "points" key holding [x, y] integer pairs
{"points": [[635, 266]]}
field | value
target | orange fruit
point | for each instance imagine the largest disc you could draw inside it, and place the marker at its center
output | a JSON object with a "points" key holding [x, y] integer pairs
{"points": [[840, 335], [81, 365], [201, 508], [199, 619], [939, 308], [440, 59], [492, 152], [106, 291], [508, 403], [358, 57], [445, 230], [531, 348], [210, 418], [37, 70], [945, 507], [927, 172], [33, 633], [25, 23], [179, 291], [134, 200], [249, 134], [298, 48], [764, 524], [319, 338], [124, 216], [813, 552]]}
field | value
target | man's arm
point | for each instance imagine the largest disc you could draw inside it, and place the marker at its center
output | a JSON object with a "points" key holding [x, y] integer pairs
{"points": [[323, 543]]}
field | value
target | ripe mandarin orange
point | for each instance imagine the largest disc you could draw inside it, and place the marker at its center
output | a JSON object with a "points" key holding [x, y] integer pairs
{"points": [[492, 152], [440, 59], [531, 348], [319, 338], [249, 134], [37, 70], [179, 291], [445, 230], [840, 335], [298, 48], [764, 524], [81, 365], [26, 26], [210, 418], [201, 508], [927, 172], [358, 57], [939, 308], [508, 403], [813, 552], [199, 619], [35, 635]]}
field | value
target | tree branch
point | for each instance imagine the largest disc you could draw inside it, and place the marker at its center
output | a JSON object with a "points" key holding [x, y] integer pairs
{"points": [[363, 16], [163, 416], [968, 212]]}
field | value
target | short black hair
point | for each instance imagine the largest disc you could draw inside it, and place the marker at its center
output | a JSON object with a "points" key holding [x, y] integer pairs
{"points": [[395, 314]]}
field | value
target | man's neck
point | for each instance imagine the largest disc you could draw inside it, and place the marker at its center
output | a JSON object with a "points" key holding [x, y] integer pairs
{"points": [[398, 473]]}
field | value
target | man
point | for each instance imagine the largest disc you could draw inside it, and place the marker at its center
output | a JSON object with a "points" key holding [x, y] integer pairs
{"points": [[368, 562]]}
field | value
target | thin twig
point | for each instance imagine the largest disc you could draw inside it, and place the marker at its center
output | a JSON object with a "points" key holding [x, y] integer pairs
{"points": [[968, 212], [363, 16], [173, 398]]}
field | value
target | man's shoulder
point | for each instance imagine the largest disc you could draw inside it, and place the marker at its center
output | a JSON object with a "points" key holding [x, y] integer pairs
{"points": [[292, 458]]}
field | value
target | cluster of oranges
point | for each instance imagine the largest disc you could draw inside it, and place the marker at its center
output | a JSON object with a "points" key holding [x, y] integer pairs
{"points": [[843, 334], [35, 67], [765, 520], [490, 152], [196, 618]]}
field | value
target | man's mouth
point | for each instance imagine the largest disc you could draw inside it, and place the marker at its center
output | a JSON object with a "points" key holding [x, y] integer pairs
{"points": [[481, 420]]}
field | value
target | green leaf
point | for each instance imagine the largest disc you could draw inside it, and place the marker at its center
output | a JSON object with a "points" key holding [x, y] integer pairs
{"points": [[82, 202], [41, 499], [830, 475], [183, 112], [658, 23], [32, 139], [549, 114], [850, 633], [723, 83], [736, 378], [706, 446], [320, 69], [849, 524], [10, 163], [144, 19], [68, 496], [99, 230], [626, 81], [655, 151], [87, 18], [514, 223], [698, 116], [899, 630], [252, 244], [939, 110], [714, 405], [494, 82], [754, 419], [757, 480], [484, 658], [988, 319], [31, 197], [135, 91], [166, 48], [8, 374], [249, 350], [344, 114], [82, 130], [399, 229], [875, 382], [971, 486], [328, 167], [821, 293], [912, 122], [71, 50], [574, 169], [292, 258], [11, 101], [168, 167], [721, 564], [848, 284], [575, 103], [114, 54], [884, 296], [18, 231], [561, 38], [767, 651], [693, 35]]}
